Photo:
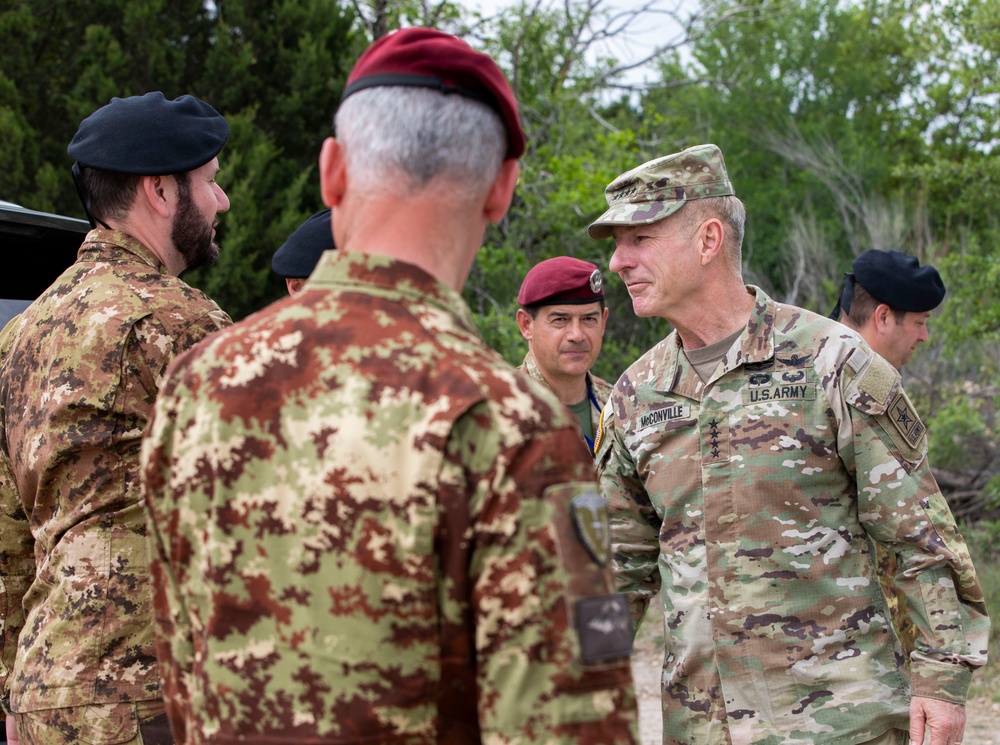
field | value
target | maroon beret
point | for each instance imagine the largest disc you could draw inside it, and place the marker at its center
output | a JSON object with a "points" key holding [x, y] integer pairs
{"points": [[426, 58], [561, 281]]}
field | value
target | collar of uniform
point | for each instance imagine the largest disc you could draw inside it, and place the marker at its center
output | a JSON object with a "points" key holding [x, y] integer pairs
{"points": [[110, 245], [756, 344], [346, 270], [531, 367]]}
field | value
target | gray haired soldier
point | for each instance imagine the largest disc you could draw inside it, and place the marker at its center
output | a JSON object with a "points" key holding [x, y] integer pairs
{"points": [[887, 298], [366, 526], [751, 460], [79, 371]]}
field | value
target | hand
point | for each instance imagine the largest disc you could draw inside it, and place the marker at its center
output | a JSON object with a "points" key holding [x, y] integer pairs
{"points": [[946, 721], [11, 727]]}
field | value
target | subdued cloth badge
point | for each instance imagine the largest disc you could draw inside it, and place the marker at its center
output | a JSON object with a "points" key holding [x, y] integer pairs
{"points": [[873, 387], [604, 627], [904, 418], [590, 518]]}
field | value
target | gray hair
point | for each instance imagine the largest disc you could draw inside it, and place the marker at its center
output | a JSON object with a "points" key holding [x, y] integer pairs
{"points": [[732, 213], [421, 135]]}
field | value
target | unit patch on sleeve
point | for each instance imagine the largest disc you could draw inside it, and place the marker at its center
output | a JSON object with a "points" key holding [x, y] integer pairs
{"points": [[905, 419]]}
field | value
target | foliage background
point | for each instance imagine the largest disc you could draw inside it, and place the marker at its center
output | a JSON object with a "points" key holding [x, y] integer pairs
{"points": [[846, 124]]}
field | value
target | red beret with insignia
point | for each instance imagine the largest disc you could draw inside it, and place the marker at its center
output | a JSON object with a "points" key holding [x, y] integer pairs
{"points": [[426, 58], [561, 281]]}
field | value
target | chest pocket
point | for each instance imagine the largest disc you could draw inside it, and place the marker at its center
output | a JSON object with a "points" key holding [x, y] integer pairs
{"points": [[781, 411]]}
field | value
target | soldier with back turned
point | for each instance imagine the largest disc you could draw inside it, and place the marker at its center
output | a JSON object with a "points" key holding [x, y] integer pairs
{"points": [[368, 527]]}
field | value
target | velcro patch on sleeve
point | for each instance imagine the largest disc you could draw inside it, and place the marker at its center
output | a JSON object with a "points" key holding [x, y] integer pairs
{"points": [[604, 627], [871, 389]]}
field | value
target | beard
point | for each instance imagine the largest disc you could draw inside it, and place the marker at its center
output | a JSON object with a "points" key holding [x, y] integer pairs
{"points": [[191, 232]]}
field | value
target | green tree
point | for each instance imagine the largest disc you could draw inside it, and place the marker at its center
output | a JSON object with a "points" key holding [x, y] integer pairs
{"points": [[274, 68]]}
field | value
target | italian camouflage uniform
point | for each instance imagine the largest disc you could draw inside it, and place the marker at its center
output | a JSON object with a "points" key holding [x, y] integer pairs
{"points": [[361, 531], [597, 389], [79, 371], [753, 502]]}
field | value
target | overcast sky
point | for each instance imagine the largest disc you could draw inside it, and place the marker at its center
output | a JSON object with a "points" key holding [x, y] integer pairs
{"points": [[635, 43]]}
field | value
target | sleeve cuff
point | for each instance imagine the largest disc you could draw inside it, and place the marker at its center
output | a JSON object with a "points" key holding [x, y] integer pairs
{"points": [[944, 682]]}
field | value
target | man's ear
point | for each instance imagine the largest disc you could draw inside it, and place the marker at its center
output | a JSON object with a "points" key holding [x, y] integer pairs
{"points": [[712, 235], [880, 317], [524, 321], [501, 193], [153, 189], [332, 172]]}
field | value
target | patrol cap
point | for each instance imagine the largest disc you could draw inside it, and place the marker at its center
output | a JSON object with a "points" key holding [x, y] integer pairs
{"points": [[427, 58], [898, 280], [563, 280], [150, 136], [659, 188], [298, 256]]}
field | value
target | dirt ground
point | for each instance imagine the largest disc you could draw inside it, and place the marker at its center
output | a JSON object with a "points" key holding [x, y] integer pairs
{"points": [[983, 709]]}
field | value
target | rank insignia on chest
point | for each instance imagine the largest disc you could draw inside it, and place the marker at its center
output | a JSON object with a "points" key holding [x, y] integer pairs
{"points": [[590, 518]]}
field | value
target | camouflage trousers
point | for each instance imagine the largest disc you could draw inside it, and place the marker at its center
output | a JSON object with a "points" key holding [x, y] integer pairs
{"points": [[129, 723]]}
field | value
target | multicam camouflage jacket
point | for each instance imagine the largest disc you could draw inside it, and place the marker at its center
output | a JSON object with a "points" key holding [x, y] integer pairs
{"points": [[362, 531], [78, 375], [598, 388], [753, 502]]}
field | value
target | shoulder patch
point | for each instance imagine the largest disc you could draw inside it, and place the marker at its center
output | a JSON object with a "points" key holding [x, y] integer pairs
{"points": [[877, 392], [905, 419], [590, 518]]}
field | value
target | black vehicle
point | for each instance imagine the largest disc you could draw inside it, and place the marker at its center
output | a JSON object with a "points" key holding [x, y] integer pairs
{"points": [[35, 248]]}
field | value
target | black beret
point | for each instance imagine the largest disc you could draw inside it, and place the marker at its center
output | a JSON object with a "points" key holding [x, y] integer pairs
{"points": [[898, 280], [150, 136], [427, 58], [298, 255], [563, 280]]}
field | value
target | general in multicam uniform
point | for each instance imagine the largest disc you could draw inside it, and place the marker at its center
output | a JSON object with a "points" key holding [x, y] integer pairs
{"points": [[366, 526], [79, 373], [751, 460]]}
